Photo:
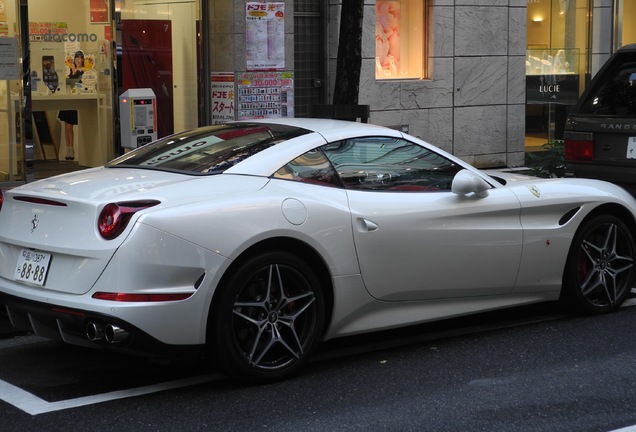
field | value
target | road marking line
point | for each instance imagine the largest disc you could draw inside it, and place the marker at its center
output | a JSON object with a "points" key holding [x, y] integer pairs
{"points": [[34, 405]]}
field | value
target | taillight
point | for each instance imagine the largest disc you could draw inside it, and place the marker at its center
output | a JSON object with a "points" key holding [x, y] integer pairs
{"points": [[1, 198], [577, 150], [115, 216], [132, 298]]}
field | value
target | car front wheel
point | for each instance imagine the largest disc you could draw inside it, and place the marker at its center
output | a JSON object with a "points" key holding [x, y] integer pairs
{"points": [[600, 268], [268, 319]]}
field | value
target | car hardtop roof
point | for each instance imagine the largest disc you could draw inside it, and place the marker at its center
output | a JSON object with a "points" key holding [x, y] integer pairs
{"points": [[318, 124]]}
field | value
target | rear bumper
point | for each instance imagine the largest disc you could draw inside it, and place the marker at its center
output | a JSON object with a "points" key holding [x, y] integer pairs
{"points": [[70, 325]]}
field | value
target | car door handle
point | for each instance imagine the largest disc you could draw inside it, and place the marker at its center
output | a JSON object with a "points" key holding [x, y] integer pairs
{"points": [[366, 225]]}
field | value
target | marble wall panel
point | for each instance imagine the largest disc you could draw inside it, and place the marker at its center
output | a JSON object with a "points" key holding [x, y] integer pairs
{"points": [[443, 34], [481, 30], [380, 95], [517, 80], [515, 135], [480, 130], [436, 127], [492, 160], [481, 2], [433, 93], [517, 32], [481, 80]]}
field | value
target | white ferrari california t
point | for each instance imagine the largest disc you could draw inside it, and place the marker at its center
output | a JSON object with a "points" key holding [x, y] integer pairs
{"points": [[252, 242]]}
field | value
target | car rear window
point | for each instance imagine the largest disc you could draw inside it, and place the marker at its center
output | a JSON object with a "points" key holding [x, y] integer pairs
{"points": [[208, 150], [614, 93]]}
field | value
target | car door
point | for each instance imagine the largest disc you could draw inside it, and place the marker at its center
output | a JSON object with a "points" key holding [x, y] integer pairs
{"points": [[414, 238]]}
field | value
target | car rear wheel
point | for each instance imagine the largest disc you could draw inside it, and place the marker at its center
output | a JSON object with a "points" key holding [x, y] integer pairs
{"points": [[600, 268], [268, 319]]}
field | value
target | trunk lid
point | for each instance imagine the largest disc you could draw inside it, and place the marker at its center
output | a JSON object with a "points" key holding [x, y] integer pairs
{"points": [[58, 217]]}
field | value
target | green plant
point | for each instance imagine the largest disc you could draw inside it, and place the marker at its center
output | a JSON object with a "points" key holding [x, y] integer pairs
{"points": [[550, 162]]}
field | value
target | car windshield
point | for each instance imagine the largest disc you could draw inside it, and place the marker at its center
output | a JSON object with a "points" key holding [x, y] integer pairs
{"points": [[208, 150]]}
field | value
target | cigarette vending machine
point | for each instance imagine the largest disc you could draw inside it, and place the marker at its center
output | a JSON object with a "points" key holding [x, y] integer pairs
{"points": [[138, 117]]}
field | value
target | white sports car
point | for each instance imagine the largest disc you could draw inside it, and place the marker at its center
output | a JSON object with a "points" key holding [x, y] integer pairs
{"points": [[251, 242]]}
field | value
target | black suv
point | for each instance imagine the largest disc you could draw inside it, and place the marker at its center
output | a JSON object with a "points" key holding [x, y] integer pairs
{"points": [[600, 133]]}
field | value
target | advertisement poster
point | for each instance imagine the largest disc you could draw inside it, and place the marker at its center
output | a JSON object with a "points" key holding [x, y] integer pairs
{"points": [[387, 38], [265, 36], [9, 66], [222, 97], [99, 11], [4, 25], [47, 31], [265, 95]]}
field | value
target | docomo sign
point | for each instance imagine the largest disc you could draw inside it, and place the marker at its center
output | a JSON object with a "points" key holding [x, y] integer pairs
{"points": [[68, 37], [57, 32], [262, 9]]}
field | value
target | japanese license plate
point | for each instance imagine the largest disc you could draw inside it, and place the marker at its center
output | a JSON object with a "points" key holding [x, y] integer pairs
{"points": [[32, 266]]}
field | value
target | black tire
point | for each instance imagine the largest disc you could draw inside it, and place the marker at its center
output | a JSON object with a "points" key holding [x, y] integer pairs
{"points": [[599, 272], [268, 318]]}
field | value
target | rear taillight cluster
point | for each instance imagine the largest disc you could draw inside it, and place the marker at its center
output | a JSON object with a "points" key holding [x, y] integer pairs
{"points": [[115, 216], [579, 149]]}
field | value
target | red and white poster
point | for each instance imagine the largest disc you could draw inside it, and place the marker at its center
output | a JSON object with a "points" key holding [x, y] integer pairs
{"points": [[265, 36], [99, 11], [222, 97]]}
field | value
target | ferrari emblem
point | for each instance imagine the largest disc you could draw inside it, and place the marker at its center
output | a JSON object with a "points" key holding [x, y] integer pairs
{"points": [[34, 223], [535, 191]]}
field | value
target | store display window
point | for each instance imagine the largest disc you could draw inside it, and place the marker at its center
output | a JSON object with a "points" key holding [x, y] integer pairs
{"points": [[399, 39], [71, 82], [557, 38]]}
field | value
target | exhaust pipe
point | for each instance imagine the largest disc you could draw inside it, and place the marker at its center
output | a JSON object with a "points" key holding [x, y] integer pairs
{"points": [[94, 332], [115, 334]]}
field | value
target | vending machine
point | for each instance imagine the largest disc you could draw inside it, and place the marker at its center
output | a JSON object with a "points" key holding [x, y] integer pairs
{"points": [[138, 117]]}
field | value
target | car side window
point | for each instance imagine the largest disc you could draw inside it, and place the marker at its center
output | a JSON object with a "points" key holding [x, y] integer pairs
{"points": [[616, 95], [312, 167], [390, 164]]}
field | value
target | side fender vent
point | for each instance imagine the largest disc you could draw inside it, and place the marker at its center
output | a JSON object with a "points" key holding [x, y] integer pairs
{"points": [[569, 215]]}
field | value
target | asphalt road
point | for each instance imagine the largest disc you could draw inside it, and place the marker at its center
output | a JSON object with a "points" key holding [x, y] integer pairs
{"points": [[530, 369]]}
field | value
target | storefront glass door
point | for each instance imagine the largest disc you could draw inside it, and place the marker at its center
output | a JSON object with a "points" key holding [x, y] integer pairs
{"points": [[625, 16], [71, 84], [159, 44], [556, 66], [12, 161]]}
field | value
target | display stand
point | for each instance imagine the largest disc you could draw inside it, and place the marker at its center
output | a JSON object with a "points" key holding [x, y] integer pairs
{"points": [[92, 148]]}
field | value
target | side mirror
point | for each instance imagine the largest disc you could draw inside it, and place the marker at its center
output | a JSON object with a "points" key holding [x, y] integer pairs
{"points": [[466, 182]]}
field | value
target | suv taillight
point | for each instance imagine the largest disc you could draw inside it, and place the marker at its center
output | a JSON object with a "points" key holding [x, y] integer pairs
{"points": [[115, 216], [577, 150]]}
